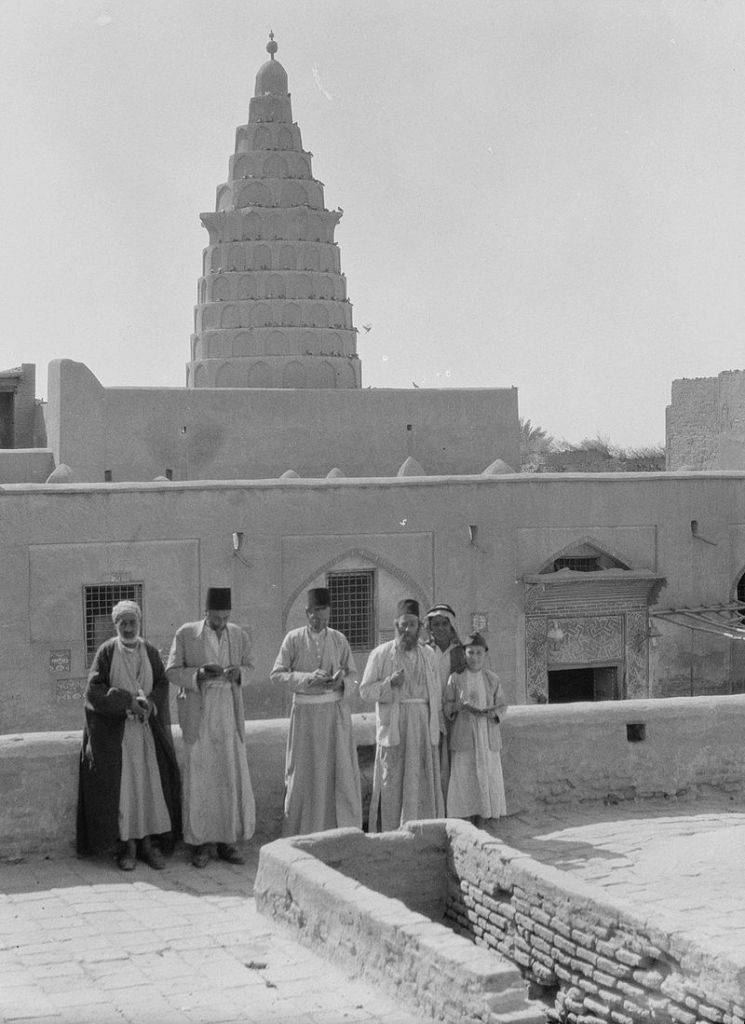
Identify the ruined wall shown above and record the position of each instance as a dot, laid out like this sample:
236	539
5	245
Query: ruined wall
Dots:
430	968
691	424
591	958
706	423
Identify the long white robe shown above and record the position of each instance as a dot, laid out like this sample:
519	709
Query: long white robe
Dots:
406	779
476	782
218	801
142	806
322	776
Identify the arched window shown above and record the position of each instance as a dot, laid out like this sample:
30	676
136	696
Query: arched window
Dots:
582	557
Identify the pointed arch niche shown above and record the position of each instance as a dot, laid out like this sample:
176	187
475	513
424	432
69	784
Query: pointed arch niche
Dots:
586	626
391	583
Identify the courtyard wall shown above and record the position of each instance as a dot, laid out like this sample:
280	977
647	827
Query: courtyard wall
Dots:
413	534
552	756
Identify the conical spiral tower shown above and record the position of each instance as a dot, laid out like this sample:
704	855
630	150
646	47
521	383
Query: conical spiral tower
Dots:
272	308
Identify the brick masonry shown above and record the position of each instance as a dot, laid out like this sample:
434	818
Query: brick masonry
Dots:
591	960
549	946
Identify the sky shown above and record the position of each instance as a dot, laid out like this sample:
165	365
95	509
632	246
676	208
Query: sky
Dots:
548	194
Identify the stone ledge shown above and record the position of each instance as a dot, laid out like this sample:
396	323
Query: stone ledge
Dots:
39	782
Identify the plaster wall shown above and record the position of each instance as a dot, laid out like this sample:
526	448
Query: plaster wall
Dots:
39	782
25	465
176	540
551	756
255	433
561	754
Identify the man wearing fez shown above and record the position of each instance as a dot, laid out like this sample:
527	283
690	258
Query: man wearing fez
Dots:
401	676
450	659
206	662
321	771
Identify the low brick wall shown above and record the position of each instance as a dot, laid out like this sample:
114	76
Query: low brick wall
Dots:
593	960
588	959
310	883
39	783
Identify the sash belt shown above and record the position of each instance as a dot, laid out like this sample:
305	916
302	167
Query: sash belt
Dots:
317	698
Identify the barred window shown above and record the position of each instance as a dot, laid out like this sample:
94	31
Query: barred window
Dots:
578	564
98	601
353	606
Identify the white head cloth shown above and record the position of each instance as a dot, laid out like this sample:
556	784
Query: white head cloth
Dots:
126	608
444	610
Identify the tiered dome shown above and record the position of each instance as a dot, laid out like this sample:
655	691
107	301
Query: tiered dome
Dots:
272	305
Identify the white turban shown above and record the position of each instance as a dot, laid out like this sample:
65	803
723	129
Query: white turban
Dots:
126	608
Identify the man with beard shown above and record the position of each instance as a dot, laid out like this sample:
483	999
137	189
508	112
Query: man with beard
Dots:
401	677
322	776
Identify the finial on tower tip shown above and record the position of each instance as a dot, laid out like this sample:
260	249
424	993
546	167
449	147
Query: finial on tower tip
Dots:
271	46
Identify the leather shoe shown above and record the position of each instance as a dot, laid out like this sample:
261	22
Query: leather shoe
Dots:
228	852
200	856
152	855
127	859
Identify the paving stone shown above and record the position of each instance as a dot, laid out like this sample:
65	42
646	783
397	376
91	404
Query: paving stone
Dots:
84	947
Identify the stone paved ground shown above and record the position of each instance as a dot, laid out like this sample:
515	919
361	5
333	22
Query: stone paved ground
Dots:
82	943
680	865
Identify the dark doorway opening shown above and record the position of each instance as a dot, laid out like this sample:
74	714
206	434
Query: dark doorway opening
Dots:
567	685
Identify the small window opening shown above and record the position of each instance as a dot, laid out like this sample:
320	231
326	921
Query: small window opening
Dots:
98	601
353	606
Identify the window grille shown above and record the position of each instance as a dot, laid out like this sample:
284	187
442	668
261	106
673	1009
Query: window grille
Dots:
353	606
98	601
577	564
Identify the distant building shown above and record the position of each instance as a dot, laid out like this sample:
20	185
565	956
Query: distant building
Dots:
706	422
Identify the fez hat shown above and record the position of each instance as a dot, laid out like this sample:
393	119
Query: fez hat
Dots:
476	640
441	609
319	597
218	599
408	606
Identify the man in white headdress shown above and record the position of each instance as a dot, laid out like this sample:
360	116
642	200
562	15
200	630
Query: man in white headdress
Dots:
129	779
449	656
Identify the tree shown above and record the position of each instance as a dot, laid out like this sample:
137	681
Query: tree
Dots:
534	444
